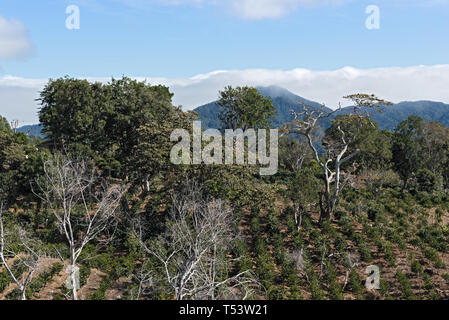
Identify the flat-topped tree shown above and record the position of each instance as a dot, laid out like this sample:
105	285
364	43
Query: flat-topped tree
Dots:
338	161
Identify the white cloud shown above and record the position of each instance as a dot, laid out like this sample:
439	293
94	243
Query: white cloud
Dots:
272	9
395	84
263	9
246	9
14	41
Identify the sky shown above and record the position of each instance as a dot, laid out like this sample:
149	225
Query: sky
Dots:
318	49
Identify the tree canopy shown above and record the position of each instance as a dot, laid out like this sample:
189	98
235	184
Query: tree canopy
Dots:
244	107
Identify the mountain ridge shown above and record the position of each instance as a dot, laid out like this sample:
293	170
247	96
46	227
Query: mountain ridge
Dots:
286	101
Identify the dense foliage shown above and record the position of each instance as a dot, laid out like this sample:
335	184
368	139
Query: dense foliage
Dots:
260	237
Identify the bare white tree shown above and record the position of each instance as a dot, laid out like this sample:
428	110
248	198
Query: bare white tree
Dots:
83	204
16	246
193	250
338	151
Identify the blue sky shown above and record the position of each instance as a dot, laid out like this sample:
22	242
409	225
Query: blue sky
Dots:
164	39
299	44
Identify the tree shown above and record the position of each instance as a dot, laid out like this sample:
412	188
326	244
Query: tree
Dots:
75	112
337	144
20	162
244	108
193	250
407	148
151	155
374	145
122	125
4	125
435	138
18	247
84	206
294	153
302	190
426	180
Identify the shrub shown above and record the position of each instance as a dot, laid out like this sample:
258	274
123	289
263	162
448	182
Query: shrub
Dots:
416	267
432	254
430	287
315	287
384	287
445	276
427	181
241	250
355	284
100	293
405	286
335	290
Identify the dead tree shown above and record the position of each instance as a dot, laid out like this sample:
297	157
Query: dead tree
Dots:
337	146
194	250
18	248
83	204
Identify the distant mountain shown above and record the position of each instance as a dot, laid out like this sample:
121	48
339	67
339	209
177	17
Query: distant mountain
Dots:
285	101
32	130
393	115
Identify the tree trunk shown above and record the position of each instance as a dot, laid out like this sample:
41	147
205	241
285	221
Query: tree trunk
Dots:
325	208
405	185
299	212
72	274
22	294
147	184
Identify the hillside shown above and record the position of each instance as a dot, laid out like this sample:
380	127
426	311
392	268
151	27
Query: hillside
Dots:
392	116
106	197
32	130
285	101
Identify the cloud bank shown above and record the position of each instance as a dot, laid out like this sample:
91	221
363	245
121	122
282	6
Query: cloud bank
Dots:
14	41
395	84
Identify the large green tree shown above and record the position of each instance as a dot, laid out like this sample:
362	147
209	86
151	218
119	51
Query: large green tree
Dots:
75	112
407	148
244	107
124	125
374	145
419	147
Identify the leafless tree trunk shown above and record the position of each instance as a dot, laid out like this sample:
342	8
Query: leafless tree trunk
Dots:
193	249
28	256
338	151
82	203
330	194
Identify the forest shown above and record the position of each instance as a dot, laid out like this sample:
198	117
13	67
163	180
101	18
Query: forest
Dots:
96	210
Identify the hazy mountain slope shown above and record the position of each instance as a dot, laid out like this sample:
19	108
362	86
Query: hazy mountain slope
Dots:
32	130
285	101
393	115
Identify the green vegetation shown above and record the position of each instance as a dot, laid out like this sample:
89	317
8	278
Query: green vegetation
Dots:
100	192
